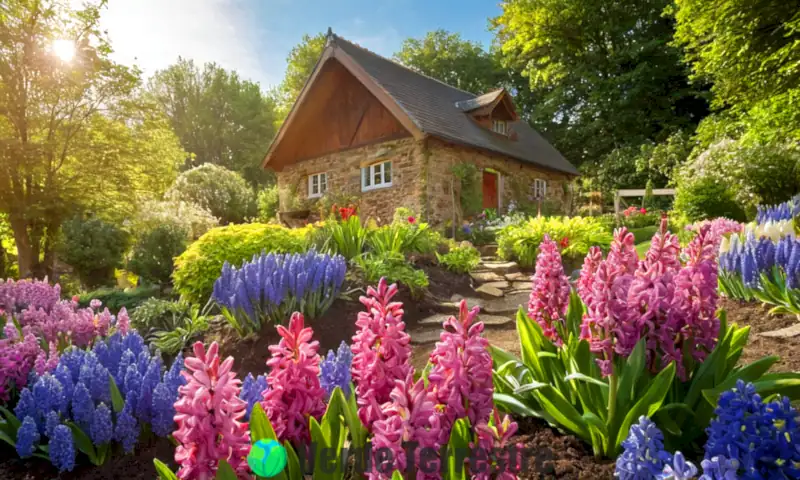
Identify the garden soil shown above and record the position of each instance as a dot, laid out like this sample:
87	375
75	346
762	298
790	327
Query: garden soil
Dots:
556	456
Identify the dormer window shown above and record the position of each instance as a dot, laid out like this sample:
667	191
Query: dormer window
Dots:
500	126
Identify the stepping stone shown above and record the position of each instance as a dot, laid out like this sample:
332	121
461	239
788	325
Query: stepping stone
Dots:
487	250
421	337
487	319
508	305
486	277
522	285
502	284
488	289
501	268
517	276
490	259
787	332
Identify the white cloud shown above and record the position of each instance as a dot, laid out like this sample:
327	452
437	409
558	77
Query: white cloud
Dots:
153	33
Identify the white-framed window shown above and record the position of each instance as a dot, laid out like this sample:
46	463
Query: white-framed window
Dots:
375	176
539	188
500	126
317	185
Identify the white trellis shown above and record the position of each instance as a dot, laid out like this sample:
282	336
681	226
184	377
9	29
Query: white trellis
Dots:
638	192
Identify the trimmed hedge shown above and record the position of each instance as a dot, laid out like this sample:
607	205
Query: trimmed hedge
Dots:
198	267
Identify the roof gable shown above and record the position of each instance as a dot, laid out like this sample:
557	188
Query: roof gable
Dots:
428	107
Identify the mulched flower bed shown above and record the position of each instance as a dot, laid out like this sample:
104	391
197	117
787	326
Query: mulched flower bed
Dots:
556	455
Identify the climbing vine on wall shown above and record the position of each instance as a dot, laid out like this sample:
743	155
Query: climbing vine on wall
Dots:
471	198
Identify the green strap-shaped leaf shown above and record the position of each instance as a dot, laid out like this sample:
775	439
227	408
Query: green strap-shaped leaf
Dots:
358	433
562	411
749	373
12	420
647	405
512	404
117	402
786	384
84	443
261	428
163	471
460	438
225	471
293	469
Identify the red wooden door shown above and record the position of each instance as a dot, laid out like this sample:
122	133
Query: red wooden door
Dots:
489	190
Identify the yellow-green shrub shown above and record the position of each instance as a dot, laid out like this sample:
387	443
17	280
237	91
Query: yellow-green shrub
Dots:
521	241
198	267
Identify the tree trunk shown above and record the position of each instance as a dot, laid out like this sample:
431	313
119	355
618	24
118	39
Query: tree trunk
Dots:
25	254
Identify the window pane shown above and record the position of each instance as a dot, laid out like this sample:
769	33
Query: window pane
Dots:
387	172
365	177
377	174
323	183
314	184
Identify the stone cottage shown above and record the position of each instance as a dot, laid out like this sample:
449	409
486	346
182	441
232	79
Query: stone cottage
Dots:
368	127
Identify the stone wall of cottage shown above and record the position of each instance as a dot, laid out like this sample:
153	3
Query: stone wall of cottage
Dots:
344	178
422	179
516	179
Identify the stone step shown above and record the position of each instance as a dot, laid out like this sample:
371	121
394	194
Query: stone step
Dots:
422	336
501	268
491	259
490	290
516	276
507	305
486	276
488	250
489	320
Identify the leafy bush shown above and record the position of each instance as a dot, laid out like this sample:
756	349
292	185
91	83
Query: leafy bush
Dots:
346	237
707	198
404	237
155	314
153	254
394	268
222	192
521	241
190	327
94	249
270	287
268	200
633	217
190	217
200	265
460	259
115	299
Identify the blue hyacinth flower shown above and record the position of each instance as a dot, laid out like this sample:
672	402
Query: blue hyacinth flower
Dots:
62	449
27	437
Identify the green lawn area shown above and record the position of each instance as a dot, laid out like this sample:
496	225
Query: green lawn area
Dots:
641	248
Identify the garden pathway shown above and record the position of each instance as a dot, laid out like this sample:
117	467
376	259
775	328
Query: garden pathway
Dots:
499	290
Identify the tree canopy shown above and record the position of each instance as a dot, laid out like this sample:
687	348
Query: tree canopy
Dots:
299	64
218	117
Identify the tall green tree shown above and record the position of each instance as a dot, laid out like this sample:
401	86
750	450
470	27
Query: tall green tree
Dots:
73	134
299	64
447	57
219	117
603	74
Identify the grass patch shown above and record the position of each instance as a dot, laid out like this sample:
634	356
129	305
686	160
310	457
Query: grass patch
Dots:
642	248
643	234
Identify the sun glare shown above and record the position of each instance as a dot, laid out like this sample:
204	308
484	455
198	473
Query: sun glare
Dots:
64	49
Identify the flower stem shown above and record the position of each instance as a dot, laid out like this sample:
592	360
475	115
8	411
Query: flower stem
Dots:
612	408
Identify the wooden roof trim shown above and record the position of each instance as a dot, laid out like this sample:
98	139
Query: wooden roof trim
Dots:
362	76
378	91
326	55
509	104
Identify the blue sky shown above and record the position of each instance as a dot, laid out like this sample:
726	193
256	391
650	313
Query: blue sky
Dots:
255	36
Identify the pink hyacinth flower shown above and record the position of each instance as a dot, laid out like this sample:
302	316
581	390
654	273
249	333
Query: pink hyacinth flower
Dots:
461	371
550	294
590	265
295	393
208	414
381	351
409	416
622	257
497	438
123	321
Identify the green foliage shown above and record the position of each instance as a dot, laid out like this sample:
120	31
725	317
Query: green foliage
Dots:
347	238
641	220
155	314
200	265
447	57
747	50
471	196
191	326
190	217
404	238
603	75
152	255
395	268
114	298
460	259
644	234
268	200
222	192
219	117
564	386
301	61
706	198
521	241
94	249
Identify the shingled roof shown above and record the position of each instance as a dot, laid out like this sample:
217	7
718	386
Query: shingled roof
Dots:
439	110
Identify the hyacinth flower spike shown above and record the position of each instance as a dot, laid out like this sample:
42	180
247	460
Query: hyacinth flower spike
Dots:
209	413
294	393
549	297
